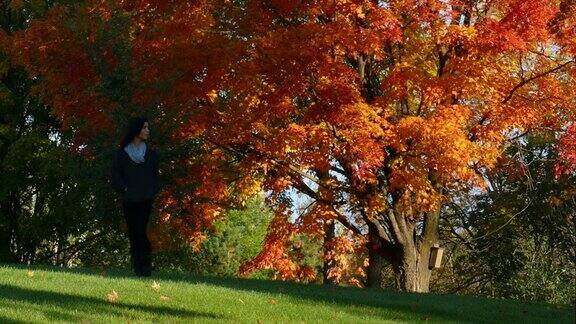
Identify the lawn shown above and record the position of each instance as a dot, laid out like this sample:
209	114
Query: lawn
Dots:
49	294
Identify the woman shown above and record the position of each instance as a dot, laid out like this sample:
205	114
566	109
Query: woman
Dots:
135	177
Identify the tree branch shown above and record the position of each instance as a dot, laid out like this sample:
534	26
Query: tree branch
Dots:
522	83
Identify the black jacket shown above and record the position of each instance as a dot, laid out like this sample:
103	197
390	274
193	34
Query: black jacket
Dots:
135	181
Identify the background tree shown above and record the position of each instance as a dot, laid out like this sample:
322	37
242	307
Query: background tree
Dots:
237	239
518	239
40	178
567	153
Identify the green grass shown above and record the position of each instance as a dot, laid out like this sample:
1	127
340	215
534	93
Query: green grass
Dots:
52	294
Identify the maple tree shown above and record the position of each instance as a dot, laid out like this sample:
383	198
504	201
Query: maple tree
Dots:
562	27
377	111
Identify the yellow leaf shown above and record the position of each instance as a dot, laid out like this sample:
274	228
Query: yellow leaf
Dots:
360	12
112	297
212	95
155	286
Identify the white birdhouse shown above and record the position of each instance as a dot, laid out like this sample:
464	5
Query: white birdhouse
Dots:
436	253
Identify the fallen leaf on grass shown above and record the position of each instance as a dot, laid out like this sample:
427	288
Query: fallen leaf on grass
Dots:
112	297
164	298
155	286
30	273
273	301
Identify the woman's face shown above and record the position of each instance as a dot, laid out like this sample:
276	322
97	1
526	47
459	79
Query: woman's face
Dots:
145	132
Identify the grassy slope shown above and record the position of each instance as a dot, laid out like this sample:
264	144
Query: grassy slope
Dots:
54	294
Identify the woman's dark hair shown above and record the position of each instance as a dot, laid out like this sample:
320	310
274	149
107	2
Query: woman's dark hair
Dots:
133	128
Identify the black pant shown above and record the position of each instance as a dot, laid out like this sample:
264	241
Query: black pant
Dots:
137	215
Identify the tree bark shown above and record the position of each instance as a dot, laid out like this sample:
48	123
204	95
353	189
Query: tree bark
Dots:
412	272
328	264
8	217
410	255
5	239
376	261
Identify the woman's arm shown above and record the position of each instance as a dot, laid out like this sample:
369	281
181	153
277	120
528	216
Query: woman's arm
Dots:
118	182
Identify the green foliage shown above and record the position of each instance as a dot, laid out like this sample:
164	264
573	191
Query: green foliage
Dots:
518	239
49	206
307	252
545	277
237	238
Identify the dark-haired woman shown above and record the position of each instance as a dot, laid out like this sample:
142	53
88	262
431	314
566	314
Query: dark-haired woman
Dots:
135	177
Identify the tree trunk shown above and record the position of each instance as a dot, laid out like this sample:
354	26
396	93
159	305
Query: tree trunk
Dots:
328	264
409	255
375	262
5	235
8	218
412	271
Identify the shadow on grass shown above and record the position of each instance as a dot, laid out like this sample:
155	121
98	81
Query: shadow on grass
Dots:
399	305
384	303
46	301
11	320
